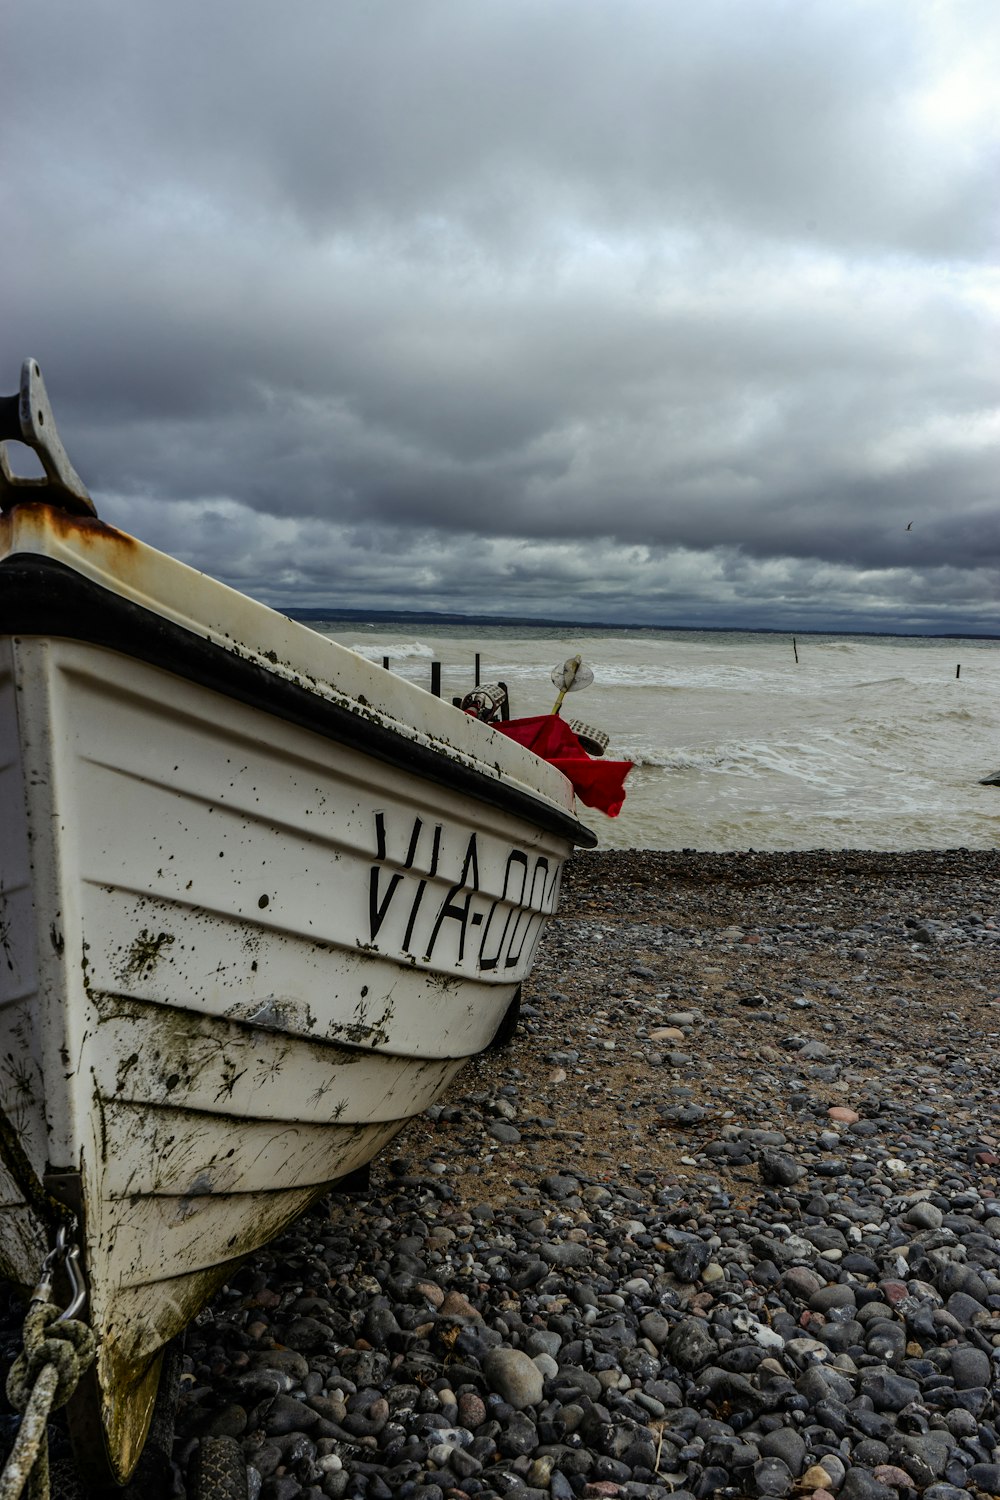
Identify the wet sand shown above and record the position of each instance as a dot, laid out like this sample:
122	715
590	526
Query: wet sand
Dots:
890	961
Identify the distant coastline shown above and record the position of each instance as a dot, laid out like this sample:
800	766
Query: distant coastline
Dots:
450	617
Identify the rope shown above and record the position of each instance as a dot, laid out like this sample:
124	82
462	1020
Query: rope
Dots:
42	1378
29	1459
49	1209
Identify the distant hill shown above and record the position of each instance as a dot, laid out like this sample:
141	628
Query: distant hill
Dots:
440	617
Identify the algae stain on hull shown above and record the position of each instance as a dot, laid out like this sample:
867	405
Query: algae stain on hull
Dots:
128	1385
143	955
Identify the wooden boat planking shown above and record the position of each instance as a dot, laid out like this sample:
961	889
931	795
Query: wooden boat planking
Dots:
259	901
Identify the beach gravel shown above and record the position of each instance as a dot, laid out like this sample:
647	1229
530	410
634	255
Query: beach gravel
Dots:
741	1236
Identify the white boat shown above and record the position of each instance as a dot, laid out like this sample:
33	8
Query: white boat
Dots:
259	901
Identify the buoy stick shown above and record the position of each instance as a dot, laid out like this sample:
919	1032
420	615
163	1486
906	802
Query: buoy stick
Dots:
572	667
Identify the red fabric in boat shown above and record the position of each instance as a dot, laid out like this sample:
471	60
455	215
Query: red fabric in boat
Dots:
597	783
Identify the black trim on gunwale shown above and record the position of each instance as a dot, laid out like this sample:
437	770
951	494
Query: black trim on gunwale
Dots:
39	596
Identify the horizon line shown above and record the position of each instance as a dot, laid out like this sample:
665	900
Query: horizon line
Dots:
457	617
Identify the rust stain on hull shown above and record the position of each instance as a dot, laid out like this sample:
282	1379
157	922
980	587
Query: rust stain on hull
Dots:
86	529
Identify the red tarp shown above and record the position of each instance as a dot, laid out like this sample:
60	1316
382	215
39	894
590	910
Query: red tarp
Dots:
597	783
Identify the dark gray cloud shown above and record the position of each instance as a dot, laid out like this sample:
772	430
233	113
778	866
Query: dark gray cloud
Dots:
663	312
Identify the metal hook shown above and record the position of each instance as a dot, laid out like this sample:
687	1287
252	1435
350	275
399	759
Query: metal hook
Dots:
77	1283
70	1256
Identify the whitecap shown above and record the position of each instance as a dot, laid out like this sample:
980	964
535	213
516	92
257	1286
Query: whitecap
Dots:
395	650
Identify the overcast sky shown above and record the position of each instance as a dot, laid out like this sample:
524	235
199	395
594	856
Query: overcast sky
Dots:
677	311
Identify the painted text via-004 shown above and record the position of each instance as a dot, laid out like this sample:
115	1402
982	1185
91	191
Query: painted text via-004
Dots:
493	932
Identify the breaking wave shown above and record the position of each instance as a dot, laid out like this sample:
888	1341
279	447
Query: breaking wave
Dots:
395	651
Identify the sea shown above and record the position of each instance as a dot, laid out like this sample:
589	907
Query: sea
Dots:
749	740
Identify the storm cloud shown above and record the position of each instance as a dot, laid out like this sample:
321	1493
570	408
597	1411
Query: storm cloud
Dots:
627	311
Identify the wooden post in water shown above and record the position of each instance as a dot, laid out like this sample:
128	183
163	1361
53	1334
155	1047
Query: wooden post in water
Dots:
796	650
385	663
958	671
476	684
436	678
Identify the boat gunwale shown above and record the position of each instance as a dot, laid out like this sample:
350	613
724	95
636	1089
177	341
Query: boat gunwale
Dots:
41	596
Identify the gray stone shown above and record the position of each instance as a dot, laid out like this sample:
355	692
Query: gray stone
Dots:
520	1436
987	1477
228	1421
923	1216
874	1312
836	1469
583	1380
887	1391
379	1326
801	1282
832	1296
283	1487
772	1476
655	1327
787	1444
961	1423
560	1185
965	1308
970	1367
825	1237
285	1414
565	1253
514	1376
688	1261
463	1464
779	1170
870	1453
861	1484
886	1341
266	1459
288	1361
930	1449
975	1399
690	1344
543	1341
254	1385
820	1381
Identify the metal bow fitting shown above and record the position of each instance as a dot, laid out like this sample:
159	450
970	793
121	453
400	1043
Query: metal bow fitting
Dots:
27	418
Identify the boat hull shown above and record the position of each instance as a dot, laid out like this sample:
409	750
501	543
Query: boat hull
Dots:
238	955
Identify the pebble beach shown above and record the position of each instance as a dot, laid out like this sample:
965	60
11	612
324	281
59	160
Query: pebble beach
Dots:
722	1218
